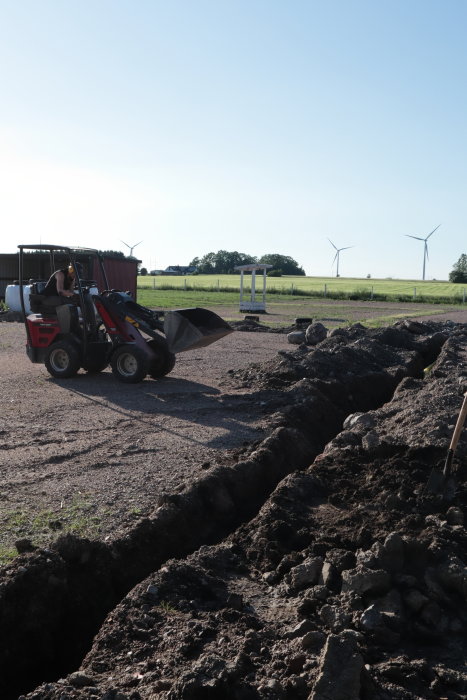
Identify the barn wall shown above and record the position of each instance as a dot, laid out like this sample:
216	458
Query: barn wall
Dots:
121	272
8	271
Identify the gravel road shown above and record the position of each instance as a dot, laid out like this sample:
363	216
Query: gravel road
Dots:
93	454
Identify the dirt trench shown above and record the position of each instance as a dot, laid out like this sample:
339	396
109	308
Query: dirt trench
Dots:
282	547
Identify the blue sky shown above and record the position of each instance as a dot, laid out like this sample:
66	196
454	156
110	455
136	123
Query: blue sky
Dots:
262	126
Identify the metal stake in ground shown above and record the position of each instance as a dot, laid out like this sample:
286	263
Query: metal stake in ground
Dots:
455	438
439	478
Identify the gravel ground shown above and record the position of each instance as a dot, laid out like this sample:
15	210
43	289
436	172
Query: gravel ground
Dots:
91	454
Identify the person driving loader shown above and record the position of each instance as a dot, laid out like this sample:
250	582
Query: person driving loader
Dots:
60	286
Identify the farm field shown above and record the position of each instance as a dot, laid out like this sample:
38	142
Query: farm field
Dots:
322	286
283	309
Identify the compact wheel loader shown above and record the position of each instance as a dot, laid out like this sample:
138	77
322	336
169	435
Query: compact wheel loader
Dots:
105	328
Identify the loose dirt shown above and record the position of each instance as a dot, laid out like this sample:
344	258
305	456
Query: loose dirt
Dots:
286	545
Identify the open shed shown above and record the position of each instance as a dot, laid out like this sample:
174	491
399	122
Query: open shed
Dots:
255	302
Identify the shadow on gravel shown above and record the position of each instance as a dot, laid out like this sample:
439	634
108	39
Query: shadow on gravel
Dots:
191	402
105	385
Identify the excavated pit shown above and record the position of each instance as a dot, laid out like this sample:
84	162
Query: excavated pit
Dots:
54	602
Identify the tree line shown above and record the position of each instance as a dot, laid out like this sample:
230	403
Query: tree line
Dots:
459	271
224	263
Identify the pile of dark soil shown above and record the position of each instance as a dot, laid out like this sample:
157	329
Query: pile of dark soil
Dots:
255	327
348	582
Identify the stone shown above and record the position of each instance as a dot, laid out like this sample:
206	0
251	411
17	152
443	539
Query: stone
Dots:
337	332
391	554
300	630
371	440
152	591
270	577
371	618
453	575
391	603
313	640
295	663
364	581
414	327
80	680
318	592
340	669
341	559
334	618
306	573
328	575
384	614
360	421
315	333
455	516
296	337
368	558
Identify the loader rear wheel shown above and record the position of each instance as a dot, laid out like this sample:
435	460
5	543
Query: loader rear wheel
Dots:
164	360
62	360
130	364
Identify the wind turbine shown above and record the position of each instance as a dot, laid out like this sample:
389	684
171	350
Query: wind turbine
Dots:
425	247
336	257
131	247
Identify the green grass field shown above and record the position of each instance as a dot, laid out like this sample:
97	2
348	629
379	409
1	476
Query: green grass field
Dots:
330	287
335	302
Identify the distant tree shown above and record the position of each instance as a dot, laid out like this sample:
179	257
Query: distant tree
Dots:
203	265
221	263
113	253
459	271
225	262
195	263
286	264
274	273
143	271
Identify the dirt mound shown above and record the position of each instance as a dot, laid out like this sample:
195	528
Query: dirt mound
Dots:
256	327
348	581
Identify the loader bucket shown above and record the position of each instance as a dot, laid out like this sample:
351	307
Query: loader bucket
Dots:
187	329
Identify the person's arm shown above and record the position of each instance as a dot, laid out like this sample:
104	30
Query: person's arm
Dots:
60	277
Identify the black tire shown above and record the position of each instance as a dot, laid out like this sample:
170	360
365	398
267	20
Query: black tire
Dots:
130	364
164	361
97	356
95	366
62	359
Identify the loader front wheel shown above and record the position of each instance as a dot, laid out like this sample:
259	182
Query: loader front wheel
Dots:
163	361
62	360
129	364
